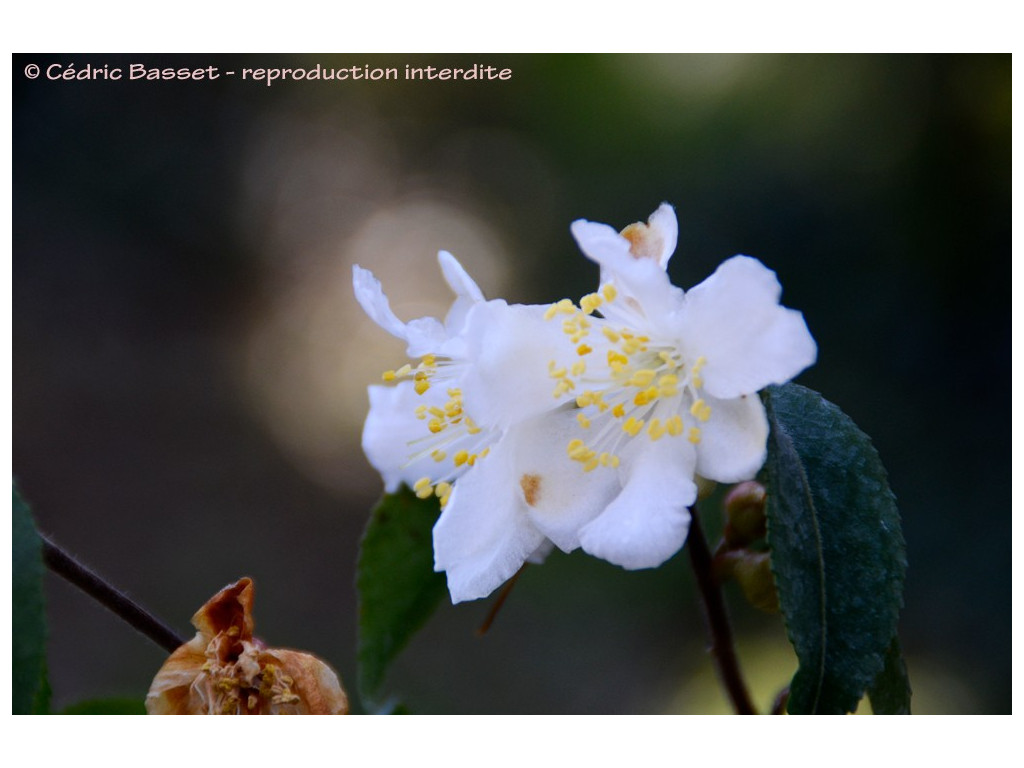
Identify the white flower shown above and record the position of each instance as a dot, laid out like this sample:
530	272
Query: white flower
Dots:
671	391
465	424
552	425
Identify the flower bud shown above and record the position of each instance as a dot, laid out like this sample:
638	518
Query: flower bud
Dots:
753	573
744	514
224	670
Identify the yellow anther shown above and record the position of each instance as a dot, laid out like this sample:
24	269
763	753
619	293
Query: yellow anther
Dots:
584	349
556	373
438	455
611	335
632	346
484	452
405	370
563	386
701	410
472	459
674	425
656	430
435	411
423	488
471	426
421	386
590	302
617	359
642	378
435	425
564	307
421	411
429	361
442	489
609	292
575	445
694	435
591	464
570	327
619	410
578	368
460	458
646	396
585	398
452	409
388	376
666	358
583	420
632	426
454	392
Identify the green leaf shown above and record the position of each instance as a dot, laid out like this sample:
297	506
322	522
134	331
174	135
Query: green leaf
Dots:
837	551
398	588
107	707
890	693
31	692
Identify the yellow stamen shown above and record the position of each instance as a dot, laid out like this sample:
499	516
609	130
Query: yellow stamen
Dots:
701	410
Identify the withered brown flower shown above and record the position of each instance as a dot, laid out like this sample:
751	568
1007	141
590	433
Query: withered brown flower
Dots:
224	670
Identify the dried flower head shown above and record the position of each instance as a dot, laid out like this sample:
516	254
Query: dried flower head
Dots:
224	670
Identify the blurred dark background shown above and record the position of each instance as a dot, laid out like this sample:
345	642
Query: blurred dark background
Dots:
189	366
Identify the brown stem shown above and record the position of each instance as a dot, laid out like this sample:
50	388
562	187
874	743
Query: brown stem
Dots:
63	564
718	621
493	613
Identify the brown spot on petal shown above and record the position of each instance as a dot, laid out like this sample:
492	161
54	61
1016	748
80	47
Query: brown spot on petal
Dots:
645	242
531	488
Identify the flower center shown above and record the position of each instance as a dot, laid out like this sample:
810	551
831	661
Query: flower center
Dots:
451	438
643	387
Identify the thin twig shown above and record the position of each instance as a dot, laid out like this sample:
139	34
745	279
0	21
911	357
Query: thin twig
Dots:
718	621
63	564
493	613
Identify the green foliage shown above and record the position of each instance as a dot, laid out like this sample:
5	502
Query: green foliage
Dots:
890	693
31	692
398	588
837	553
107	707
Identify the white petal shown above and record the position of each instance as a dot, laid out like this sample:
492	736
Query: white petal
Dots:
426	335
734	320
646	295
508	349
733	441
664	224
371	298
467	292
559	496
647	523
484	535
391	432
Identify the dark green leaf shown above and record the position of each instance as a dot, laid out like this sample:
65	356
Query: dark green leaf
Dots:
31	692
107	707
890	693
837	551
398	589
